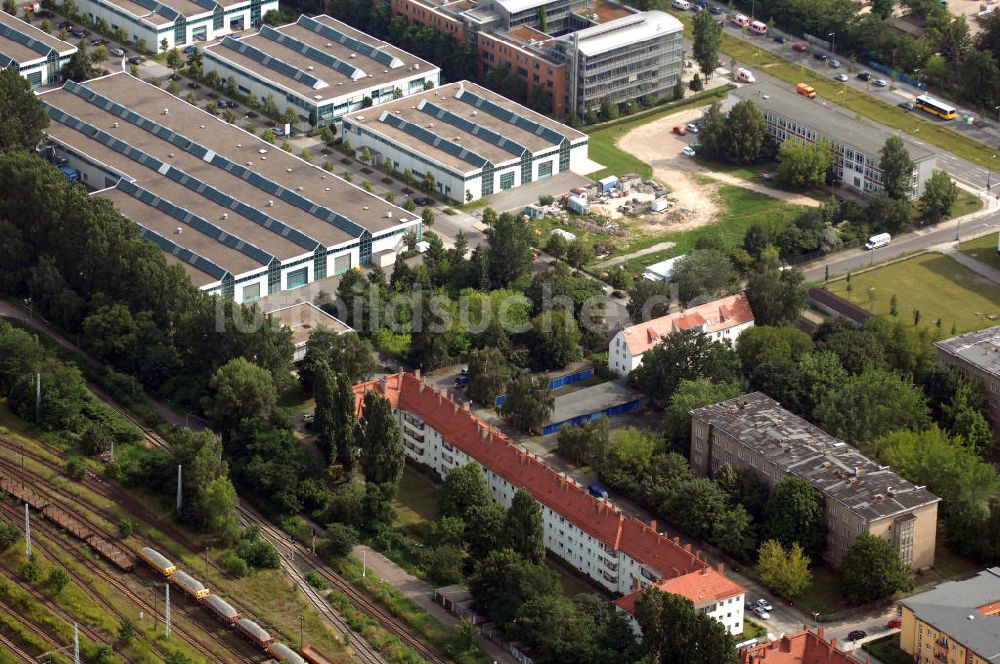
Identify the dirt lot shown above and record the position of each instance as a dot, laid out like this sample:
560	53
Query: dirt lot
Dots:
656	144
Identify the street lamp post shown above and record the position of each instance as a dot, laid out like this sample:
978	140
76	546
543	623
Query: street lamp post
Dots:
833	42
998	113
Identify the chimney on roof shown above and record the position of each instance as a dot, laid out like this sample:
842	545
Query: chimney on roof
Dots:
416	374
440	398
721	568
857	471
833	643
820	631
652	525
687	547
704	571
454	410
468	406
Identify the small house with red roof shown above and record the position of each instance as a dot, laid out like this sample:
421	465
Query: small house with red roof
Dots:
725	318
621	553
805	647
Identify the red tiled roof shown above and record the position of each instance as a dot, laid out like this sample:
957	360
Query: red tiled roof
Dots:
496	452
708	585
716	316
805	647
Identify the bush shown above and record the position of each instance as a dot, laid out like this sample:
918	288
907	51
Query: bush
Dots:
233	564
57	579
125	527
31	571
76	467
315	579
9	533
338	542
256	552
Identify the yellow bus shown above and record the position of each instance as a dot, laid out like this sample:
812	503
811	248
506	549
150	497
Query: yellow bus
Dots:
934	107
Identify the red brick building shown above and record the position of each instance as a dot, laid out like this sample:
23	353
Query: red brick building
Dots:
513	48
805	647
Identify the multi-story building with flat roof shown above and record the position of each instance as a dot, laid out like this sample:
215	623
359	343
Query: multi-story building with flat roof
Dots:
621	553
176	22
977	356
754	432
958	621
471	140
857	143
320	67
725	318
242	217
38	56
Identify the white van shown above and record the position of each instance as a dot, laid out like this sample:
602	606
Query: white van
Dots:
680	4
745	75
876	241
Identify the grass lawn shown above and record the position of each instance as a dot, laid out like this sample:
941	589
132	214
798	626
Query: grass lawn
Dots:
751	630
983	249
603	148
965	203
948	566
916	124
739	209
823	594
887	650
936	285
416	502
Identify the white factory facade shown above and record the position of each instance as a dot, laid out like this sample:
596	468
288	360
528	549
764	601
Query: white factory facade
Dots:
38	56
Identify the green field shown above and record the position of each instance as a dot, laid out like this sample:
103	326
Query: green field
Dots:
915	124
933	283
603	148
983	249
416	502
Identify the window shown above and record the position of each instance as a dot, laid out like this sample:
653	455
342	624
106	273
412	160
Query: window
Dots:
544	171
507	180
298	278
251	292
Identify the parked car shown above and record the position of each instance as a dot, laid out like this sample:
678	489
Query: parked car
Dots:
423	200
906	105
65	25
461	379
117	52
222	103
779	39
764	604
716	10
840	77
136	60
800	47
190	49
688	151
761	613
597	491
864	76
43	13
880	83
98	42
820	56
833	63
234	35
692	127
79	33
680	130
308	420
895	623
857	635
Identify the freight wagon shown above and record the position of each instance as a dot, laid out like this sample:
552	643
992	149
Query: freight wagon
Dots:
254	632
189	584
283	653
221	609
157	561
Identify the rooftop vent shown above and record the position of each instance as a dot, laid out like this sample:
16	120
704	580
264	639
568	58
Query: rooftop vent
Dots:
202	126
474	113
270	204
239	145
354	55
299	188
179	230
309	68
416	65
171	155
328	44
225	215
288	170
366	207
262	151
249	163
388	214
264	158
115	125
166	111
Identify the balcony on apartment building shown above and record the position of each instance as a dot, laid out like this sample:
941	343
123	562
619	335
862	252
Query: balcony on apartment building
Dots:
649	575
610	563
612	578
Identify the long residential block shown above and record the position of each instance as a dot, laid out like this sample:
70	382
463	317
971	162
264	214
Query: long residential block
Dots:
618	552
977	356
754	432
320	67
244	218
173	23
473	142
857	144
38	56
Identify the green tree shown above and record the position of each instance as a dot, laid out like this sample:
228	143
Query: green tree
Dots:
691	394
897	169
555	339
696	506
583	442
529	402
579	253
746	128
240	390
704	273
802	165
764	343
57	579
382	452
609	109
872	570
9	534
219	506
444	563
683	355
776	296
794	514
707	42
488	375
940	193
869	405
351	354
674	631
784	570
337	542
126	632
648	300
523	530
504	581
100	55
714	133
556	245
734	533
174	59
346	429
24	117
509	250
463	491
124	527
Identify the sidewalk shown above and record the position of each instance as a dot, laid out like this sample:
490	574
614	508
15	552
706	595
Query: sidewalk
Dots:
422	594
980	268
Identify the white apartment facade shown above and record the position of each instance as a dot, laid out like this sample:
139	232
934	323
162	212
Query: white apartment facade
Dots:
38	56
722	319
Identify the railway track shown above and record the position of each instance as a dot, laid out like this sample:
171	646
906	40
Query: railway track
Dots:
12	648
31	627
208	649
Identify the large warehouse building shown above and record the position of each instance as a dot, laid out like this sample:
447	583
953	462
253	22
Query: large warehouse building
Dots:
856	143
320	67
473	141
178	22
245	219
38	56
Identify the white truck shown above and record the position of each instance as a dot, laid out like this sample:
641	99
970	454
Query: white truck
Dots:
876	241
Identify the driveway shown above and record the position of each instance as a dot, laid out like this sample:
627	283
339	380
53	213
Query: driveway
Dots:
515	200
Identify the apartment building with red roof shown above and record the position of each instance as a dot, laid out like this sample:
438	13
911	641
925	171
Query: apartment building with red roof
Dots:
805	647
621	553
725	318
